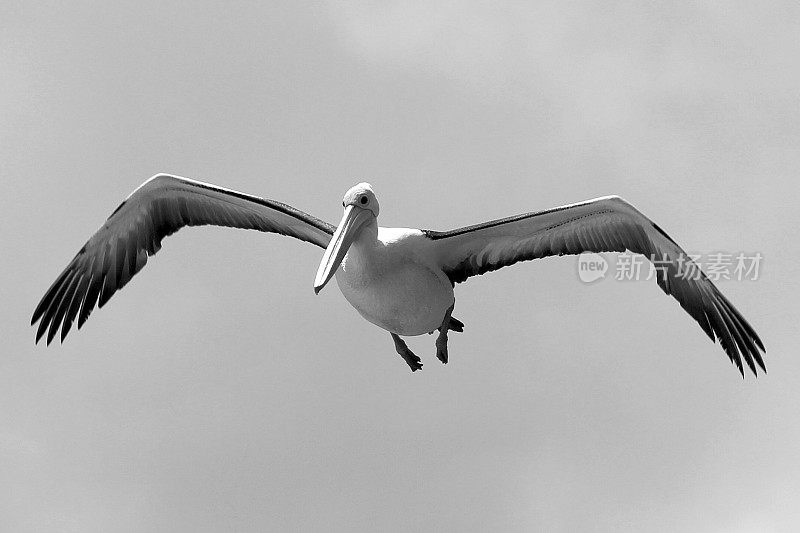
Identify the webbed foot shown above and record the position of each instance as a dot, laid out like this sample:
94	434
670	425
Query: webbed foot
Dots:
408	356
441	340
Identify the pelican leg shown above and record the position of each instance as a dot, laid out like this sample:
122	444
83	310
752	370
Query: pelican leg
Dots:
441	340
410	357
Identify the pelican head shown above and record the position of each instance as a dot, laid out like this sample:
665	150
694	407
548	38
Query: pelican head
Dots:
362	196
360	207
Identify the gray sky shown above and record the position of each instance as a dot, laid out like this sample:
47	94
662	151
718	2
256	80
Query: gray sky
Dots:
216	392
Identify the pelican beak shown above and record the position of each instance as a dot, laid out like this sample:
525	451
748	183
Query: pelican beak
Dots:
354	217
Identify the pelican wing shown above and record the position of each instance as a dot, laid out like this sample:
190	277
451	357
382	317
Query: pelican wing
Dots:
608	224
159	207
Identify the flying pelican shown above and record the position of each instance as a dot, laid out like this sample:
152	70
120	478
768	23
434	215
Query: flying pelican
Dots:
397	278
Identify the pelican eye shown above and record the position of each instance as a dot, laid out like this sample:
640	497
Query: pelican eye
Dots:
363	200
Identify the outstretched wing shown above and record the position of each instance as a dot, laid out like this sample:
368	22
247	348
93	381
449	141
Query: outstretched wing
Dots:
608	224
159	207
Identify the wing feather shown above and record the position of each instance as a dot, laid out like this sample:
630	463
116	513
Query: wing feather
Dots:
608	224
158	208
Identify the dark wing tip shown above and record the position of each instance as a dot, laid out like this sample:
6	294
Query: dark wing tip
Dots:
736	336
64	299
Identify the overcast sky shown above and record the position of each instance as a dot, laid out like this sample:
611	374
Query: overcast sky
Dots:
217	392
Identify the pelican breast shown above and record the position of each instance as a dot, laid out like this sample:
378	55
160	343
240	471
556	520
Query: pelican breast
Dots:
391	284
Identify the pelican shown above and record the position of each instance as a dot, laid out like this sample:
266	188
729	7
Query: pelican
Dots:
399	279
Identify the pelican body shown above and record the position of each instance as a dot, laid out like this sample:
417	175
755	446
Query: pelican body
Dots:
399	279
391	285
